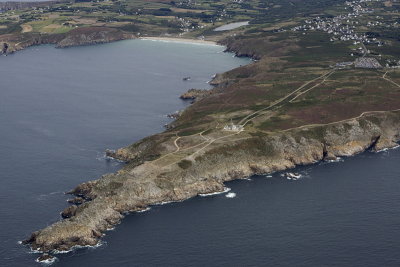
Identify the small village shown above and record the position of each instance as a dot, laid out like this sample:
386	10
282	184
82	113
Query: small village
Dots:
344	27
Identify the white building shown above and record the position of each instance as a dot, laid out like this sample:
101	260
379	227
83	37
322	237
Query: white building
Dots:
233	127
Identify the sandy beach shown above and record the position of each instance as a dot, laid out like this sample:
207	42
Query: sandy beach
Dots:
179	40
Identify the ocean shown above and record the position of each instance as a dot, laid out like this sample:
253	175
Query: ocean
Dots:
61	108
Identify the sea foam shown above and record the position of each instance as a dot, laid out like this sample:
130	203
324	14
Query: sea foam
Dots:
47	262
144	210
231	195
226	189
99	244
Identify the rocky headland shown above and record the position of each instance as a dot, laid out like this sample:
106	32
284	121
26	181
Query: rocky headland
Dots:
292	107
148	179
11	43
195	94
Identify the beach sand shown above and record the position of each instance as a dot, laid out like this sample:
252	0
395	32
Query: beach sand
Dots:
179	40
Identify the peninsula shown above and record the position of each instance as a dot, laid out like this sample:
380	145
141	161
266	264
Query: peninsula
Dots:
325	84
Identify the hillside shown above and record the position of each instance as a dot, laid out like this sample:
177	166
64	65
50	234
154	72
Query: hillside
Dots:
325	83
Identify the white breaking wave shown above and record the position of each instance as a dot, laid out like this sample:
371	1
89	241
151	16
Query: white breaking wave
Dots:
34	251
387	149
164	203
230	195
103	157
144	210
48	261
226	189
293	176
338	159
100	243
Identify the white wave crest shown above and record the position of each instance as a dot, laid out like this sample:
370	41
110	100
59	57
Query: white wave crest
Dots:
144	210
387	149
55	251
231	195
47	261
226	190
293	176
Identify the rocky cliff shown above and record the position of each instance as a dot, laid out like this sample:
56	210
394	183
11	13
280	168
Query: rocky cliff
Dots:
10	43
148	182
93	35
193	94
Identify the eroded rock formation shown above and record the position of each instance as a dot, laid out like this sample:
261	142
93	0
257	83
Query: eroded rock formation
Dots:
137	186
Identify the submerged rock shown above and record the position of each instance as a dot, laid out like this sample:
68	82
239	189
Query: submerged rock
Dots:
46	258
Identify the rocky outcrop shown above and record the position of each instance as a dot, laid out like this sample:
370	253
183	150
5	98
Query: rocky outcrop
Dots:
11	43
137	186
120	154
241	48
46	258
92	35
76	200
15	42
69	212
193	94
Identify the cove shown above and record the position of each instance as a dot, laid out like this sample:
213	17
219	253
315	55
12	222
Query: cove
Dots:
61	108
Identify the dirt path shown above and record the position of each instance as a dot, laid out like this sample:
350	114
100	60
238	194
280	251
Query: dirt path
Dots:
306	91
178	148
209	141
258	113
345	120
389	80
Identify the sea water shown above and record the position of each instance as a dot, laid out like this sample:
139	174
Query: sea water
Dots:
61	108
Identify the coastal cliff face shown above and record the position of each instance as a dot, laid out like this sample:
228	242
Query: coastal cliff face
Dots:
147	182
93	35
11	43
195	94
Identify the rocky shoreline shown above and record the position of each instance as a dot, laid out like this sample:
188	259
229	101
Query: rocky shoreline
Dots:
145	180
195	94
77	37
141	183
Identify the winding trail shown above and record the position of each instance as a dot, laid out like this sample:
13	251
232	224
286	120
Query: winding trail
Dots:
306	91
389	80
178	148
208	141
345	120
258	113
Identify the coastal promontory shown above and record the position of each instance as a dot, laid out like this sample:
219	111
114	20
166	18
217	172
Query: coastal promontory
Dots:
325	83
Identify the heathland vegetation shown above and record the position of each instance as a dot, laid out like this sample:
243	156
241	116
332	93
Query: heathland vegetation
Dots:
302	100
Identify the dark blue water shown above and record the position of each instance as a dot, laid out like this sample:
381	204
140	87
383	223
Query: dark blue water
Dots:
338	214
61	108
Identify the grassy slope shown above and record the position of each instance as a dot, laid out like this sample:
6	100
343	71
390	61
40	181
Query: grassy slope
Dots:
288	59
